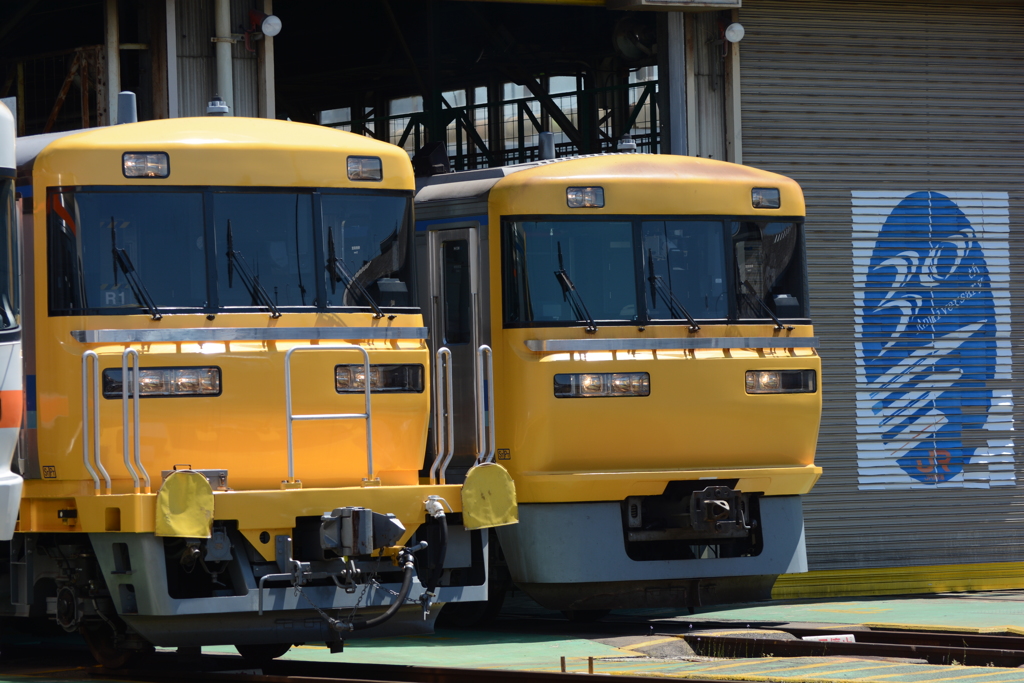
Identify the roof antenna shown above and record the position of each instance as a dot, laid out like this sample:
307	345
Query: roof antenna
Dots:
217	107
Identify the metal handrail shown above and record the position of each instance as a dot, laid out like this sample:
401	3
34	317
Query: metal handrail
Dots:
135	396
339	416
444	435
485	409
94	418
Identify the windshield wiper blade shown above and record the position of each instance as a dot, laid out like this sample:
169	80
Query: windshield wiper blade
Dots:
658	287
751	295
570	294
339	273
124	262
259	295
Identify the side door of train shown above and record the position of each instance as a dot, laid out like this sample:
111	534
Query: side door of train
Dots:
456	311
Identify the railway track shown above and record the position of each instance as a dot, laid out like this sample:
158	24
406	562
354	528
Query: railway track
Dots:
718	640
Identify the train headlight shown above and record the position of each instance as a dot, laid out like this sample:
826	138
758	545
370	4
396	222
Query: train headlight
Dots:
365	168
781	381
351	379
145	164
154	382
584	197
602	384
765	198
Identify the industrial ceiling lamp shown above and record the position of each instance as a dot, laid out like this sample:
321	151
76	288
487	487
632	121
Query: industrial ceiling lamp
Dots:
268	25
734	32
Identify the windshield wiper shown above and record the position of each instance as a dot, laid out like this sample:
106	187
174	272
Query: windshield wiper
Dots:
339	273
570	294
675	308
259	295
751	295
124	262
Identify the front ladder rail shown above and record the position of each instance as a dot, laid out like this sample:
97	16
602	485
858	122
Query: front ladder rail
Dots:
370	479
132	453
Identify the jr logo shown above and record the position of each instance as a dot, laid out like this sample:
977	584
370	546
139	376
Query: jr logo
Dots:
931	292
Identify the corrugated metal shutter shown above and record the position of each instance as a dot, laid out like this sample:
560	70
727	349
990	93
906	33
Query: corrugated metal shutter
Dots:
197	62
903	124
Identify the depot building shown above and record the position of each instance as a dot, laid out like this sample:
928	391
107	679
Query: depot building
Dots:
901	121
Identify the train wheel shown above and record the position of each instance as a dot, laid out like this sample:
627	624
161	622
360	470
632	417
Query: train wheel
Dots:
262	653
585	616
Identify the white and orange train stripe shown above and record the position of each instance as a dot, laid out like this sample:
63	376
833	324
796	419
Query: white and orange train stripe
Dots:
11	386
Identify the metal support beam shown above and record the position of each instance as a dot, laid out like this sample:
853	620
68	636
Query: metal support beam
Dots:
113	50
171	15
265	56
222	27
672	76
554	111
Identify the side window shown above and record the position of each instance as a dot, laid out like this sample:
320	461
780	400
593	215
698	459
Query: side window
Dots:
455	292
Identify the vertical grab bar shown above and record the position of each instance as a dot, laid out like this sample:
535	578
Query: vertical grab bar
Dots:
444	436
485	414
134	393
94	418
338	416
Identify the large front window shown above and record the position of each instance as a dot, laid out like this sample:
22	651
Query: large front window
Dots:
188	250
649	270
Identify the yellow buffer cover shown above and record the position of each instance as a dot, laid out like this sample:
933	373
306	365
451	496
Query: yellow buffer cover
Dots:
489	497
184	506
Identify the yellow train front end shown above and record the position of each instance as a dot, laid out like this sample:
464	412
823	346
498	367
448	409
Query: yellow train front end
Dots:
228	389
656	380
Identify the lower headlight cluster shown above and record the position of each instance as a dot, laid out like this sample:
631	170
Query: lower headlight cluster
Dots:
155	382
351	379
602	384
781	381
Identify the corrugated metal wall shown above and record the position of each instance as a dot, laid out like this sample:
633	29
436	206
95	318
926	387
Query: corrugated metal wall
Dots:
197	67
903	122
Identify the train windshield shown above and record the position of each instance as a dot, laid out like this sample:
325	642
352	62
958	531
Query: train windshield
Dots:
193	249
652	270
10	295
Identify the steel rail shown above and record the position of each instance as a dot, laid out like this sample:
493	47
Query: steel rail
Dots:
292	671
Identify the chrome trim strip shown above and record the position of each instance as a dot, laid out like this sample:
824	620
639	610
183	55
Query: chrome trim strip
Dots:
228	334
583	345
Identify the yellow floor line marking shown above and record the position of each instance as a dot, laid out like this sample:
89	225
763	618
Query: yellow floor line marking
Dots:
1003	672
634	646
804	666
746	662
938	627
740	632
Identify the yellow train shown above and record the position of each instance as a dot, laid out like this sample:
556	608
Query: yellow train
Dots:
649	355
228	393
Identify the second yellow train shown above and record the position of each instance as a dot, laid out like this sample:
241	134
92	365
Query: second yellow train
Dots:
639	326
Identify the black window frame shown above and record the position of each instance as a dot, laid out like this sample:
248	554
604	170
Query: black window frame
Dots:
643	318
213	306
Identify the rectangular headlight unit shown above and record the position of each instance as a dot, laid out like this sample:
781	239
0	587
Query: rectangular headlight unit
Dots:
765	198
602	384
781	381
351	379
584	197
365	168
145	164
154	382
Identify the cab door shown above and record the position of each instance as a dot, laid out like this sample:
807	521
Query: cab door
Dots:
456	324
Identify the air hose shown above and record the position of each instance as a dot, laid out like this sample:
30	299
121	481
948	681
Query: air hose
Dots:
407	568
435	576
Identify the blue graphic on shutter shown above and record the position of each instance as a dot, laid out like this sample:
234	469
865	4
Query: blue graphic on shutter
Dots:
928	335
